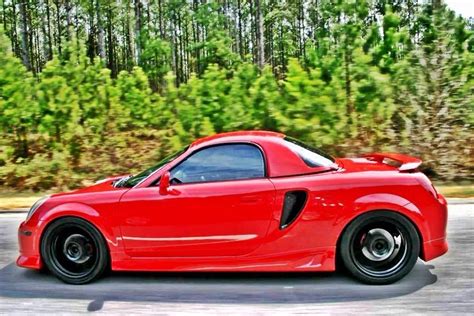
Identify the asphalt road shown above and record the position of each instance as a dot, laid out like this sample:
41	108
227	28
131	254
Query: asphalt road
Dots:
443	285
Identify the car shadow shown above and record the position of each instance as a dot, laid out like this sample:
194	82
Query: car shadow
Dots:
206	287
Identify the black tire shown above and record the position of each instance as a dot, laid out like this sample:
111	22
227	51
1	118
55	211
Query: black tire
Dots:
380	247
74	250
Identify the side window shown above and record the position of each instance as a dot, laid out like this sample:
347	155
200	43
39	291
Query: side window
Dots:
220	162
311	156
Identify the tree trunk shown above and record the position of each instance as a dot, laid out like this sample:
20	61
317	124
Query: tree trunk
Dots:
110	41
347	79
239	35
100	29
46	32
31	35
4	17
196	38
160	18
22	150
25	47
260	35
176	51
138	28
58	26
301	33
91	41
128	39
14	35
67	7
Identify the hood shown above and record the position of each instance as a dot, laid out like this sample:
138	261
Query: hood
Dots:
99	186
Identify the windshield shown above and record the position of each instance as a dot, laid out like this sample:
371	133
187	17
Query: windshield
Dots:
311	156
134	180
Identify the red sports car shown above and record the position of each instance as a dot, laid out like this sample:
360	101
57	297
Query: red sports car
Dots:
243	201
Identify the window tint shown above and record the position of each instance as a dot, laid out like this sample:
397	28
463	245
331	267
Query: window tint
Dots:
132	181
222	162
311	156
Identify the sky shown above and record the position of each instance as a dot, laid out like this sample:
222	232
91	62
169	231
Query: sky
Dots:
462	7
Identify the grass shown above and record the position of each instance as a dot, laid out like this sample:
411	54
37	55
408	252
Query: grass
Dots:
456	191
12	200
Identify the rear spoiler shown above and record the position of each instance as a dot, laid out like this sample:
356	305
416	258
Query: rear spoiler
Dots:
407	163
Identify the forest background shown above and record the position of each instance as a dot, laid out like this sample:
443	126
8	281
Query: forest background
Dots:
92	88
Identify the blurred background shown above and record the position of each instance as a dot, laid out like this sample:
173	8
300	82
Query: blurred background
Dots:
95	88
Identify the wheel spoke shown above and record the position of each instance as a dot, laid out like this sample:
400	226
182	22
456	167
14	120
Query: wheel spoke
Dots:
73	252
381	249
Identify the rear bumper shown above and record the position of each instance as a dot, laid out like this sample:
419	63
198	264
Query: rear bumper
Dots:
438	245
434	248
28	242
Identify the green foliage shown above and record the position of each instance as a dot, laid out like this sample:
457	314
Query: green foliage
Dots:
404	82
41	172
18	109
136	98
311	108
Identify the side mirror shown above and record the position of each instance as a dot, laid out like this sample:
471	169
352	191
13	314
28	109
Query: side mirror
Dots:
165	183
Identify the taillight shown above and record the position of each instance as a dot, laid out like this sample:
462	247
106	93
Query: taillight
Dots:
442	200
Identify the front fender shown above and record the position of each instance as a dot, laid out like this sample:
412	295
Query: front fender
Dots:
87	213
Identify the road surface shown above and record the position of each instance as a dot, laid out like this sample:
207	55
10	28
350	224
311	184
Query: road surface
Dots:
437	287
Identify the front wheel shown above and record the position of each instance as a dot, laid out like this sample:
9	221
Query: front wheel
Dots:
74	250
380	247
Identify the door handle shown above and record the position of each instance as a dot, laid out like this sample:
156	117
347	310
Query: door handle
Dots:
250	199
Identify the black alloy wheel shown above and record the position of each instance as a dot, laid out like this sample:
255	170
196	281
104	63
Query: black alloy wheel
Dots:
380	247
74	250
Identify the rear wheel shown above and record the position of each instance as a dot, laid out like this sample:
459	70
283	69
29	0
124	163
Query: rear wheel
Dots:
74	250
380	247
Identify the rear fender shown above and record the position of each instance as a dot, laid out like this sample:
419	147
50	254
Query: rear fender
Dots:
389	202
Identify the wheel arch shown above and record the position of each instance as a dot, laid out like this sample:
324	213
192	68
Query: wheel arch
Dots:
83	212
55	219
346	225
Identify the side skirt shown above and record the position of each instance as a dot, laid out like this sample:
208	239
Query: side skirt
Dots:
322	259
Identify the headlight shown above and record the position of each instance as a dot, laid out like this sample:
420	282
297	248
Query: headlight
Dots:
35	206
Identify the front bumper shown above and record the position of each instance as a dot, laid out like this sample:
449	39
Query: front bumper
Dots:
28	241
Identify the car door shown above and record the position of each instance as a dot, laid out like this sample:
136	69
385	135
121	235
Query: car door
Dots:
220	204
